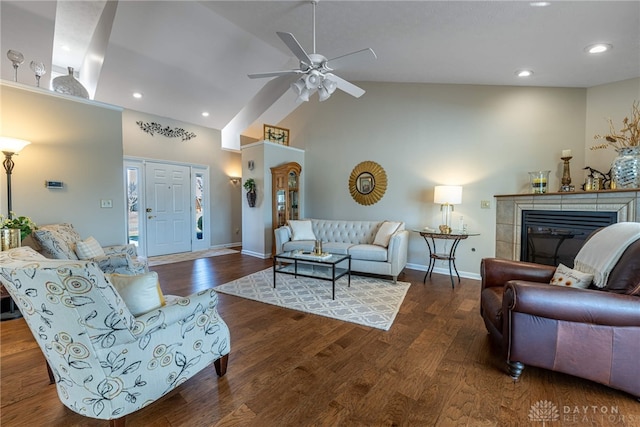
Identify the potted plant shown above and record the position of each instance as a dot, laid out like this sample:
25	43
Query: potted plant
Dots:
250	186
14	230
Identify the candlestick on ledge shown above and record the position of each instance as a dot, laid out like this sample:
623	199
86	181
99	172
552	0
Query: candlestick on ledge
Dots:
566	173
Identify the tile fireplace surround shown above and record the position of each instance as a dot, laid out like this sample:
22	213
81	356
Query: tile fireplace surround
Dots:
626	203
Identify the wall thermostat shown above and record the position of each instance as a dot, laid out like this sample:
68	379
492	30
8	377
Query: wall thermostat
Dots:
53	184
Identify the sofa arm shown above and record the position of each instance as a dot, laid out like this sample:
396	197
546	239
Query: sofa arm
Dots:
112	261
121	264
397	251
496	272
183	309
571	304
119	249
282	235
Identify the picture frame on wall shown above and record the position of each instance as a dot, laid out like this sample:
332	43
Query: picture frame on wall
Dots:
276	134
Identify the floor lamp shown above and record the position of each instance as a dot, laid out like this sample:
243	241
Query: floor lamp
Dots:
10	147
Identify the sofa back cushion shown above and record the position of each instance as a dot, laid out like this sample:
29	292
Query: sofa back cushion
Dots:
356	232
625	276
58	241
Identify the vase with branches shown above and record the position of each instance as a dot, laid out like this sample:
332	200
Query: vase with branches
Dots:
625	169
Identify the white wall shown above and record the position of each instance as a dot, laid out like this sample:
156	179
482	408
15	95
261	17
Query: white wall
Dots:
204	149
485	138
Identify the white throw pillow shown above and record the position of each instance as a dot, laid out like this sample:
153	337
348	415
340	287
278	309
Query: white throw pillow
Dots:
385	232
140	293
301	230
88	248
565	276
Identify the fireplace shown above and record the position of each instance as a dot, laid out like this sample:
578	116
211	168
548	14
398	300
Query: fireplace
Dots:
509	208
555	237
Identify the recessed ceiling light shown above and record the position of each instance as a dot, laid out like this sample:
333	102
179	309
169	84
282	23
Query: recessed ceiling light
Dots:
205	114
598	48
524	73
539	3
137	95
66	48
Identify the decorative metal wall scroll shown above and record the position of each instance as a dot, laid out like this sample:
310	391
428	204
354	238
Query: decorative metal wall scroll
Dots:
153	127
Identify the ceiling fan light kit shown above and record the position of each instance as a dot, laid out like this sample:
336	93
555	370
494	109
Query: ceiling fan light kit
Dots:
316	70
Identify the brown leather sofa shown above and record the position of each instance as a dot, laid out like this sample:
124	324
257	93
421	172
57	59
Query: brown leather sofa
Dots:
590	333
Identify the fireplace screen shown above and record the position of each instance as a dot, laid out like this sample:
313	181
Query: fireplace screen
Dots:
555	237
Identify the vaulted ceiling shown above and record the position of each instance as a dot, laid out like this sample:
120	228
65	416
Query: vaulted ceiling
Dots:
187	57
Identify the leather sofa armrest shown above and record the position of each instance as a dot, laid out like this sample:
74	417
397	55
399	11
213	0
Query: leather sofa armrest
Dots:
571	304
496	272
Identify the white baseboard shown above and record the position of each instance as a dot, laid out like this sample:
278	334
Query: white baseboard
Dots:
226	245
255	254
444	270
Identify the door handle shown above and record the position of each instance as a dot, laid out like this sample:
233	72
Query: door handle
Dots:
151	216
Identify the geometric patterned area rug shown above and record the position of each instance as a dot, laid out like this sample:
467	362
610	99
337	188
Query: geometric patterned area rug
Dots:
369	301
188	256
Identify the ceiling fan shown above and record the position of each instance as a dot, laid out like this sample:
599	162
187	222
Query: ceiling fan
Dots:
316	70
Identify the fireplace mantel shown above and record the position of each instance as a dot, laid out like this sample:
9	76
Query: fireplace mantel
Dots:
626	203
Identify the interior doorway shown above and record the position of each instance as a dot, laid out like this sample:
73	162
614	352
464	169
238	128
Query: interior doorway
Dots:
167	206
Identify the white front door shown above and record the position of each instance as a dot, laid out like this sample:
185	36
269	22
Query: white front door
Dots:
168	212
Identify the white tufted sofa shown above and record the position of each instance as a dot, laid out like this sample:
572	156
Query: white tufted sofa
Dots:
356	239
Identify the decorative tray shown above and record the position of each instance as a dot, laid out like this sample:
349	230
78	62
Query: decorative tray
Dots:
312	256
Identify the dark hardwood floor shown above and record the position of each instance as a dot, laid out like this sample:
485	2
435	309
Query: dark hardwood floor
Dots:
434	367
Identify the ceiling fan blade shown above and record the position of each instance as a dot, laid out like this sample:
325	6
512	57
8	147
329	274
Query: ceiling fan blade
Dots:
295	47
345	86
350	58
273	74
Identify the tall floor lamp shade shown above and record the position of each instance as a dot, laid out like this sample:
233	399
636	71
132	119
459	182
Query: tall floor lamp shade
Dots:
447	196
10	146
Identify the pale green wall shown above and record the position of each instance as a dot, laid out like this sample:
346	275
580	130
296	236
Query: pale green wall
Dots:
485	138
73	141
612	100
205	150
257	237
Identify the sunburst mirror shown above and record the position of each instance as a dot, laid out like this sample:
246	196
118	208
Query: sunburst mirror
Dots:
367	183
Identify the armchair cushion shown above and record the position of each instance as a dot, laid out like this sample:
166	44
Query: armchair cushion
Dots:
88	248
141	293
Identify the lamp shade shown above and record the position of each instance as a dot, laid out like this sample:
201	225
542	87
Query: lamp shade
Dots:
12	145
447	194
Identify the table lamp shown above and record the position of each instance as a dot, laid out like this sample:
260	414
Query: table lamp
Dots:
447	196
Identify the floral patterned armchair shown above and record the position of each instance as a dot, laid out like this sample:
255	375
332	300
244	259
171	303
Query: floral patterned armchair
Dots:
106	362
59	241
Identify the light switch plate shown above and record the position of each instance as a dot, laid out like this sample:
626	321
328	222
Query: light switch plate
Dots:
485	204
106	203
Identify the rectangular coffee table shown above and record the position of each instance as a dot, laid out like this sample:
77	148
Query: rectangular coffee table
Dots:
306	265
